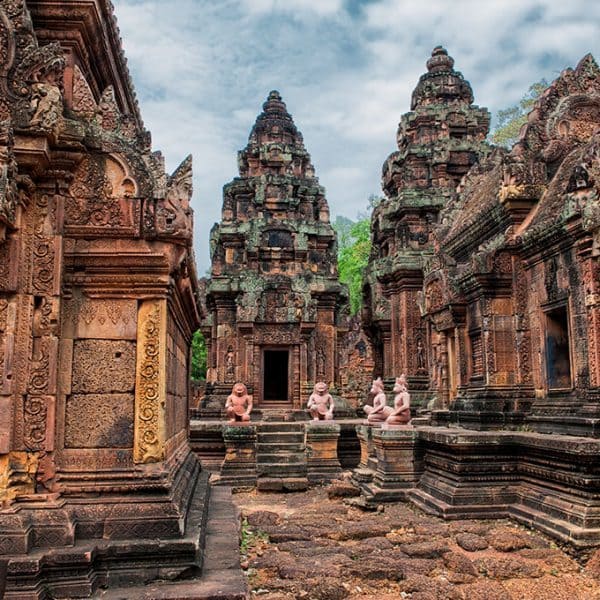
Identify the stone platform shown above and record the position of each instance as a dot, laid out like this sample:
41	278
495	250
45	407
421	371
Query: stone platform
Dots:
545	481
50	566
276	455
398	464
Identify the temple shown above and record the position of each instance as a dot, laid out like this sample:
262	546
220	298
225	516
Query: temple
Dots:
510	294
98	485
481	303
438	142
276	310
483	286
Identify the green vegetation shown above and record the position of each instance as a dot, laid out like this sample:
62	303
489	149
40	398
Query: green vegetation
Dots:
251	538
354	247
511	119
198	370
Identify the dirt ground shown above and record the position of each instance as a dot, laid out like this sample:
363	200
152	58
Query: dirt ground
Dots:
308	546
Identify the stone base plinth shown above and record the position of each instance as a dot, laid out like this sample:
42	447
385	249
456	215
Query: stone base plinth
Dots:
322	462
238	468
368	459
399	463
549	482
71	547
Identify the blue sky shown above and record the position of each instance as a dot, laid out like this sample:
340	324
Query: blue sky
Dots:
345	68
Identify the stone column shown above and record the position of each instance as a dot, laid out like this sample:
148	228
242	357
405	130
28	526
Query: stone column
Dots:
321	448
239	465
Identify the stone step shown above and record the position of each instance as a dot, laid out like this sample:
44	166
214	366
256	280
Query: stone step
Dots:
284	438
279	470
291	443
297	446
281	427
281	458
282	484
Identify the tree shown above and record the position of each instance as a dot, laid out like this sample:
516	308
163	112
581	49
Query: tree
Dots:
511	119
198	370
353	255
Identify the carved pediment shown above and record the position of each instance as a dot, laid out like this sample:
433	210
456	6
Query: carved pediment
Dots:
101	197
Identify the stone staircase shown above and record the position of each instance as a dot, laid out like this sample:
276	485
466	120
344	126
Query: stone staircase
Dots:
281	463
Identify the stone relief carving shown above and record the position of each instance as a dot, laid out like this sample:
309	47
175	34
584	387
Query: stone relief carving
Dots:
149	433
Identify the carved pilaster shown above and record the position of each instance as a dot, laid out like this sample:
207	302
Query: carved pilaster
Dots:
150	382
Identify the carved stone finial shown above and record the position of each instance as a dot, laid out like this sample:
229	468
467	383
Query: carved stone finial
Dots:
440	61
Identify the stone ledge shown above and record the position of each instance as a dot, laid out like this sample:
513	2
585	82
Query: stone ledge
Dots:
221	578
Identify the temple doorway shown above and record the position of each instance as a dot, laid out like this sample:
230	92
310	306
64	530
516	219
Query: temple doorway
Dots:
275	376
558	360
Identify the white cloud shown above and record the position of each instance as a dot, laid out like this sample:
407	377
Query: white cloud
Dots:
319	7
202	70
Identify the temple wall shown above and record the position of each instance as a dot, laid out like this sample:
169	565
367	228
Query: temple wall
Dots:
98	304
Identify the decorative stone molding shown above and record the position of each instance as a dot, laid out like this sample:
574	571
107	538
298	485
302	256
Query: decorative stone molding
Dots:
150	382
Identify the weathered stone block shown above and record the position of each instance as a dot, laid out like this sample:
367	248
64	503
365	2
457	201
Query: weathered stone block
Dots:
321	449
99	421
368	459
107	319
239	464
399	463
103	366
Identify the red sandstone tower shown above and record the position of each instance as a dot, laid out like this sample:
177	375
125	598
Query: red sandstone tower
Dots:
277	310
438	142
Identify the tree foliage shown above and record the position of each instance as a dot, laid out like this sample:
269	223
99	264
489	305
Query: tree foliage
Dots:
354	247
511	119
198	368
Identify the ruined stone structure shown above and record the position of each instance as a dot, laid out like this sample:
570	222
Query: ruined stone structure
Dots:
97	308
438	142
503	301
511	291
276	309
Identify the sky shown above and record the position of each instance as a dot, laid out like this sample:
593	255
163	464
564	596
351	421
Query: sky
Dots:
345	68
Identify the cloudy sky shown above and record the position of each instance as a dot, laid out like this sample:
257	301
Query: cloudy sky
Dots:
345	68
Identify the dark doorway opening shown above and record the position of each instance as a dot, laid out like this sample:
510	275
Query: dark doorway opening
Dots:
558	361
275	375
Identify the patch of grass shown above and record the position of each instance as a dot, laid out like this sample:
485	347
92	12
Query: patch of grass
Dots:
250	538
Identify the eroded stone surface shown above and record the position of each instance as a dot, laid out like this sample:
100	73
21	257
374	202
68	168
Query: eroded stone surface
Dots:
101	366
99	421
370	566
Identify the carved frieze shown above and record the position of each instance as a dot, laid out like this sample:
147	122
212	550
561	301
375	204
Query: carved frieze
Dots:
150	383
273	334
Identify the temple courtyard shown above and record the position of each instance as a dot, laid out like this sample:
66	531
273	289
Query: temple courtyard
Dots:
315	545
432	432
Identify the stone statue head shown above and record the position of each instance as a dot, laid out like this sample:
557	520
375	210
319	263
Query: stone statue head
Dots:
401	383
239	389
321	388
377	386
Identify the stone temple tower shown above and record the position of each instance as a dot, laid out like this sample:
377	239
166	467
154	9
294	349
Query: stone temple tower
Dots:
276	308
439	140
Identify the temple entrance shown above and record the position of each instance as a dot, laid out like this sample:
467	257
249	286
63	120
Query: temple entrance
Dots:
275	376
558	360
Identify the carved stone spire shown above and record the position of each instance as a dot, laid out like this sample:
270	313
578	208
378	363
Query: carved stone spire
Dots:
275	123
275	145
274	270
441	84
